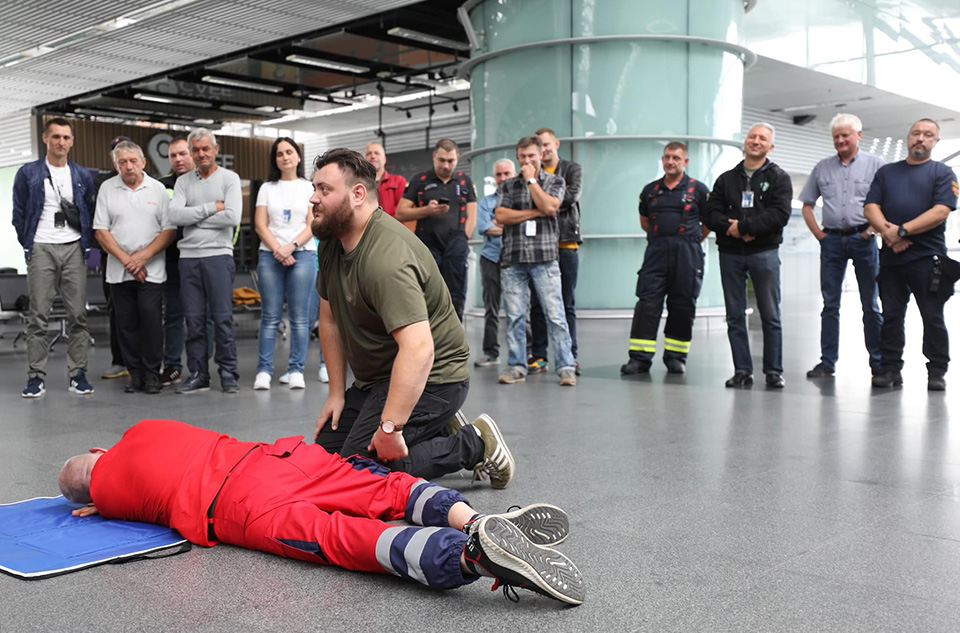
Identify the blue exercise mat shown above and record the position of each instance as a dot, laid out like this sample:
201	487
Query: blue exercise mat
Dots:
39	538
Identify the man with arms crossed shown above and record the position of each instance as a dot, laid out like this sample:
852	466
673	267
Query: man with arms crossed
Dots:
207	204
843	181
385	310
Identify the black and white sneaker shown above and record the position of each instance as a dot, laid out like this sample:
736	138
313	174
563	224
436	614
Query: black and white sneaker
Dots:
499	549
542	523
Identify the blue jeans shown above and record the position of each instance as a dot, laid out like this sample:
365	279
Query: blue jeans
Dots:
314	315
515	280
296	283
835	250
569	262
763	269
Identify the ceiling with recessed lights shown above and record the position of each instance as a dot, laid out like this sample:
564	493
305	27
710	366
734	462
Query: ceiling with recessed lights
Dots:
214	61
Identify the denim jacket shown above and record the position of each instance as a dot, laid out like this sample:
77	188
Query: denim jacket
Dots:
28	198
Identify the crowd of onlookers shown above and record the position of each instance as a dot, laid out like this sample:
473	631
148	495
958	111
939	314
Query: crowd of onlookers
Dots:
170	254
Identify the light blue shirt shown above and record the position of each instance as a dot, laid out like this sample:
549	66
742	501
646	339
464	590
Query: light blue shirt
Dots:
842	187
486	219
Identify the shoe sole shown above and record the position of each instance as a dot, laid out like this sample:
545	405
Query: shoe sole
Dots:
231	389
511	380
80	393
568	382
501	445
542	523
112	376
33	395
549	571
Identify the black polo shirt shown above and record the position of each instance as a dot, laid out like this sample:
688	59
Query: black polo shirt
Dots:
427	186
674	211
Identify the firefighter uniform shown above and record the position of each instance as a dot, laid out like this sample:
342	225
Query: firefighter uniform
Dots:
672	269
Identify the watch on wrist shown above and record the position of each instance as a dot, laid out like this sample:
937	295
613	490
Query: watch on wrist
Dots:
902	231
532	181
295	245
390	428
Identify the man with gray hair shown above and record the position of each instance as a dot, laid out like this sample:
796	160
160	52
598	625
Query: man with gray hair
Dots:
748	208
207	203
842	181
491	231
132	227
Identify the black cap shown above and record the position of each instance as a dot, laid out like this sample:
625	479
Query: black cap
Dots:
118	140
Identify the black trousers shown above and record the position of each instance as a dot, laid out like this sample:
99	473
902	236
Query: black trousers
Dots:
492	291
139	310
433	451
451	257
896	284
116	356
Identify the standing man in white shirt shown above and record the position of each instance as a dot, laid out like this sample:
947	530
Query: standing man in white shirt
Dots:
131	224
53	214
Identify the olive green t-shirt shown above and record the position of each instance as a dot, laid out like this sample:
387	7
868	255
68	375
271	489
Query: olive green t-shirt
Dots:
388	281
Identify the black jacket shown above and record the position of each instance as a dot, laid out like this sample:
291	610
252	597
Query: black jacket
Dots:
772	198
568	219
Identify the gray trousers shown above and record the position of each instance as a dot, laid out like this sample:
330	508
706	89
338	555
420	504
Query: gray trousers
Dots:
52	269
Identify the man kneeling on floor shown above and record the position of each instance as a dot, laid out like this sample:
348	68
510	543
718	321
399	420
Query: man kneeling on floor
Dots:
298	501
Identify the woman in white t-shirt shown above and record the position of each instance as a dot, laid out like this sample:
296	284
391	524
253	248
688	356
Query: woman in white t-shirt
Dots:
288	260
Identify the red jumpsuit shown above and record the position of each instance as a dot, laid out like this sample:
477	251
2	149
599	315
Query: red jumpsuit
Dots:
287	498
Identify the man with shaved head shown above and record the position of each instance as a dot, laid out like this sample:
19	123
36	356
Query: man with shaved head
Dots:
390	187
298	501
491	231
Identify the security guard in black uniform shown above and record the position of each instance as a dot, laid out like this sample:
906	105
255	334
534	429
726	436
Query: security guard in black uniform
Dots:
670	211
443	201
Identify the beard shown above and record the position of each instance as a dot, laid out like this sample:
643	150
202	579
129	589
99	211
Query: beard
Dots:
334	222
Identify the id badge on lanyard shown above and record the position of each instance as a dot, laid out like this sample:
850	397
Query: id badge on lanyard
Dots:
746	200
530	228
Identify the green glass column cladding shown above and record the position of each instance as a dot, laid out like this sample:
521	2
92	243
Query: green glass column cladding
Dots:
616	80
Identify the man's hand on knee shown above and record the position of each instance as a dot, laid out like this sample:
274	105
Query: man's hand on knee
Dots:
331	411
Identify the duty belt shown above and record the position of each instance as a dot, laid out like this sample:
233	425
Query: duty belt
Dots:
860	228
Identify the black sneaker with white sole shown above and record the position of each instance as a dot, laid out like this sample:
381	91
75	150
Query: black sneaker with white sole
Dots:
499	549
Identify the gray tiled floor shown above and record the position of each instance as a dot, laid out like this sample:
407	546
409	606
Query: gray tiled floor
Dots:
825	507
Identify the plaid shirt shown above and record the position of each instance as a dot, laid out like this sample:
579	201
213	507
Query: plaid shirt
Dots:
518	247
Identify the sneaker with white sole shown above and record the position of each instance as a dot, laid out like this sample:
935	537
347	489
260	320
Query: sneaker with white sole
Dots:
498	463
296	380
512	375
498	548
323	374
79	385
34	389
568	377
284	379
542	523
262	381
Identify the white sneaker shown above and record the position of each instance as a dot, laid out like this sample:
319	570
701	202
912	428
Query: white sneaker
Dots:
284	379
262	381
296	381
323	375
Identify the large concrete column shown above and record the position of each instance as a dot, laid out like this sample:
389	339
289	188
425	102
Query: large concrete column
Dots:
616	80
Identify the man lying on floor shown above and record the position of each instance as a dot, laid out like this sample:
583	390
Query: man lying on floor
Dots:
298	501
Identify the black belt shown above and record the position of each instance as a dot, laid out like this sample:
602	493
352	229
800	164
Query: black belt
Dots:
857	229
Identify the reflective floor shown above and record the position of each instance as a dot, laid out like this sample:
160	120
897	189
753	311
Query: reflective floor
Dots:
823	507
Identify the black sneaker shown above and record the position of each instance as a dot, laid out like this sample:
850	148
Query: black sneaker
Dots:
34	389
775	381
229	384
633	367
79	384
542	523
501	550
169	376
820	371
740	379
195	383
136	384
936	382
887	379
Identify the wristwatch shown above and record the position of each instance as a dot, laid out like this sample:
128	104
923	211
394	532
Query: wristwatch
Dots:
390	428
902	231
532	181
295	245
